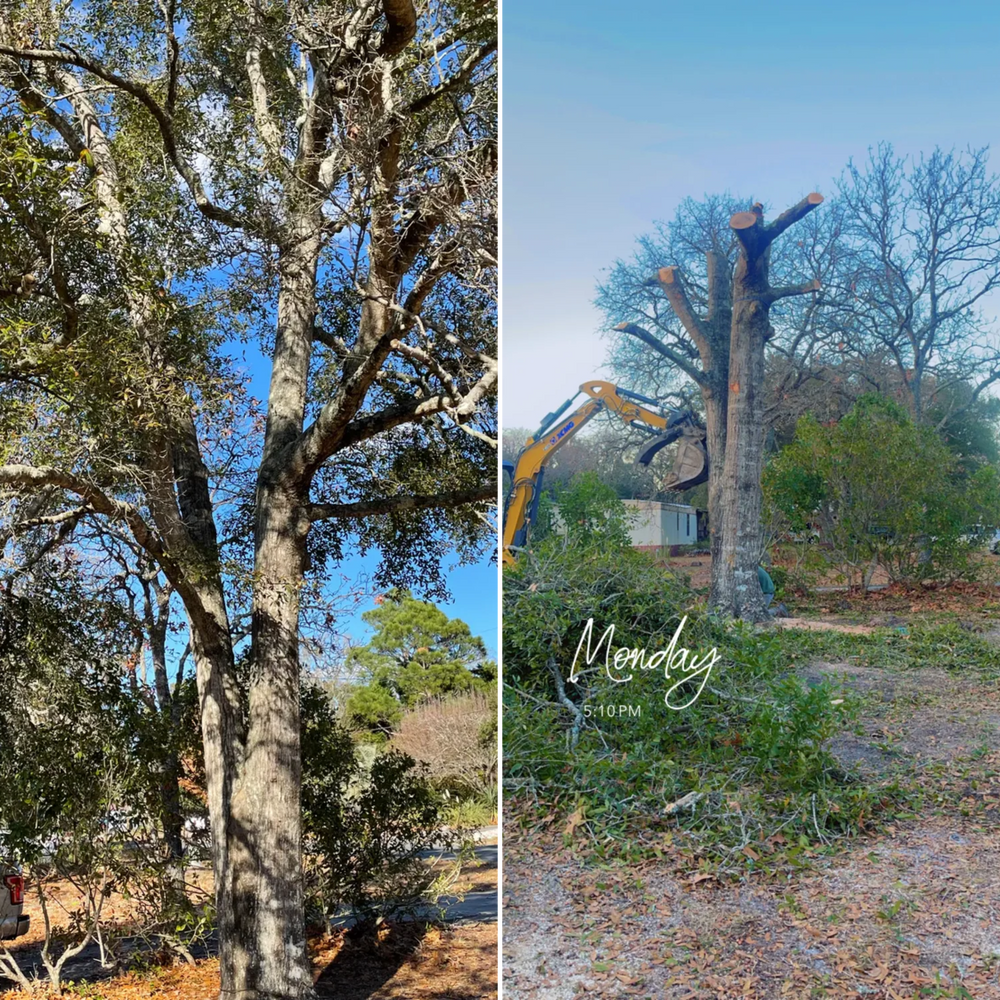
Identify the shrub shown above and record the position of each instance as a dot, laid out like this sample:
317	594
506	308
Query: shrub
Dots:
80	783
750	750
456	738
884	491
365	825
585	509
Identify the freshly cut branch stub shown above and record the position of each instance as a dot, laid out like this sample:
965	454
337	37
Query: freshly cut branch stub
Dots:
744	220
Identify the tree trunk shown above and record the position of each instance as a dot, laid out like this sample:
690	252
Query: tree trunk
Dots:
264	956
715	443
170	794
715	395
736	590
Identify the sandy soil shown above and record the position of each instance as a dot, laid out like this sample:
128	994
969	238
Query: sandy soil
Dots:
912	912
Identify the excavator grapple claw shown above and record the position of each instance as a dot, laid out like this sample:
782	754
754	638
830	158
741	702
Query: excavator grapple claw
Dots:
655	445
681	426
691	462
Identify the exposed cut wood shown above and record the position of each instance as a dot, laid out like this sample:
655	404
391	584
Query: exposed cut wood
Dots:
744	220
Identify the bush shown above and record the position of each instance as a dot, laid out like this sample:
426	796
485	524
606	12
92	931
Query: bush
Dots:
365	823
585	509
80	790
750	749
456	738
883	491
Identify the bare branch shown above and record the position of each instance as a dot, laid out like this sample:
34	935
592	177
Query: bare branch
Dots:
457	79
634	330
668	278
786	291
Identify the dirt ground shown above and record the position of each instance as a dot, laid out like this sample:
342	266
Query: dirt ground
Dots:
911	912
409	961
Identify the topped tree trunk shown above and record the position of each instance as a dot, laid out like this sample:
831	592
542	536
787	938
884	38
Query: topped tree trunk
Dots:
710	335
736	588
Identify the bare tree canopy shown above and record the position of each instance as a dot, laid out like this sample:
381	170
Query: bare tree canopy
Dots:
919	259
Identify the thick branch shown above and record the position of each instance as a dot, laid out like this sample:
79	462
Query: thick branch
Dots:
173	53
791	216
36	102
786	291
22	476
324	436
668	278
267	126
456	80
428	361
720	289
443	197
393	416
69	57
392	505
401	19
634	330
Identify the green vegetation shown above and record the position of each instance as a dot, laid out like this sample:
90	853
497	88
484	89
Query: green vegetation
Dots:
748	759
417	653
883	491
366	817
587	506
82	767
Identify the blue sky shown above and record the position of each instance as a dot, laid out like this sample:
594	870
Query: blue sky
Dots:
613	115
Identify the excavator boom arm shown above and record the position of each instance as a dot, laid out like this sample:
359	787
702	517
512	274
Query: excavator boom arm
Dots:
526	478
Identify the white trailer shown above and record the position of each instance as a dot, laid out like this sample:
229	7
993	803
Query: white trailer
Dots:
659	525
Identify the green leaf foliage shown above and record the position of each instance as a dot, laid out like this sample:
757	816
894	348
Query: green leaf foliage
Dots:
417	652
367	815
880	489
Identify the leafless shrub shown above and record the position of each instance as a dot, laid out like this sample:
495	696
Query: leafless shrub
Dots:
455	737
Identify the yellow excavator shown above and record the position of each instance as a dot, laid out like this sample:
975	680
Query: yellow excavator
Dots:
663	427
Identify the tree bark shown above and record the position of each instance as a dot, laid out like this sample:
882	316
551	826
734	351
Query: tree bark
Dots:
715	396
711	335
736	588
265	919
716	406
170	797
266	958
